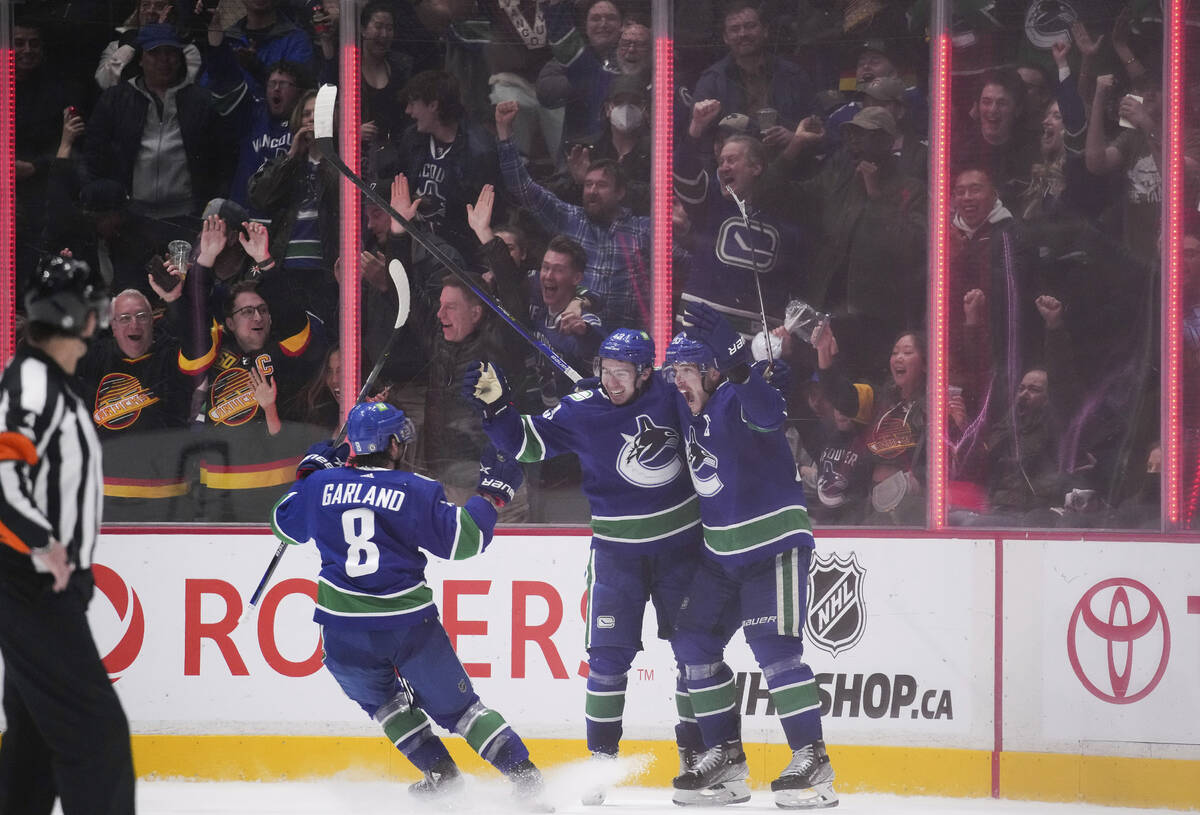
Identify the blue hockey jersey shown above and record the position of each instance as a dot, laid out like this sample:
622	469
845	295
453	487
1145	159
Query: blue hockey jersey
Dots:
751	498
370	526
633	472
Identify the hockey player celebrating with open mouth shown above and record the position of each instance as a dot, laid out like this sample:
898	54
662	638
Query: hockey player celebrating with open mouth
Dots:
383	641
645	520
758	543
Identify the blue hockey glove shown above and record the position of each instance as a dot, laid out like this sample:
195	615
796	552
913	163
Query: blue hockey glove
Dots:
709	327
588	383
484	385
322	456
499	476
779	377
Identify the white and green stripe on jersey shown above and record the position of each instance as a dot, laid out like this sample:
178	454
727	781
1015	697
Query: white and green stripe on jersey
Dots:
345	603
648	527
754	533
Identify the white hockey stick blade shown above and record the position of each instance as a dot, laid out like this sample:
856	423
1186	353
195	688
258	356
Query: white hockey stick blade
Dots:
323	112
403	294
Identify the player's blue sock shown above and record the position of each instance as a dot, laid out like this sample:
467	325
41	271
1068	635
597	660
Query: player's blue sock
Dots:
793	690
714	699
604	710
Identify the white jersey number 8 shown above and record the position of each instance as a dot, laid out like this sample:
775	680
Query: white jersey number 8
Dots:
358	527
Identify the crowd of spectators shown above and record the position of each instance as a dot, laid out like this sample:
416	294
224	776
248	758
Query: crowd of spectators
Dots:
517	135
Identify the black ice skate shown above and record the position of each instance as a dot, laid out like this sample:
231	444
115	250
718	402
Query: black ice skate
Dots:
717	777
807	781
528	787
441	779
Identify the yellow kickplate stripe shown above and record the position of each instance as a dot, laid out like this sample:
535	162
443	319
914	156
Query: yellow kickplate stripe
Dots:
1165	783
1142	782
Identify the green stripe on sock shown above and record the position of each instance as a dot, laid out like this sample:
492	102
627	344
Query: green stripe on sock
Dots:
683	706
713	700
605	706
794	698
483	729
400	726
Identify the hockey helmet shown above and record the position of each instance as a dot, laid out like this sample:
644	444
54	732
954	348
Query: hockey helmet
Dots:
630	345
62	293
371	424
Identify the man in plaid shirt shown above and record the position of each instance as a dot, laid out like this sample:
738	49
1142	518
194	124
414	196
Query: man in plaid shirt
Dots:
616	241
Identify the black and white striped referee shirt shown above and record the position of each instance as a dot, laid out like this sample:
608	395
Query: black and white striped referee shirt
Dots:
51	476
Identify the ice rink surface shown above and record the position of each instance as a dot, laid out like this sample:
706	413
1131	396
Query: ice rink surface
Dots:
482	795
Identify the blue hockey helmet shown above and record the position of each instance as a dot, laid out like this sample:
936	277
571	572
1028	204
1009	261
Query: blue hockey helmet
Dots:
62	293
630	345
685	350
371	424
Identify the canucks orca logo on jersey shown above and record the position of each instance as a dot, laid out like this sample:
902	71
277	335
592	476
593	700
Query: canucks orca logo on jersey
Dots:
650	457
703	466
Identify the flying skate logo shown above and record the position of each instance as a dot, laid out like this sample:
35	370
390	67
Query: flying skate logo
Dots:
837	613
120	399
130	616
1118	640
649	457
703	466
755	248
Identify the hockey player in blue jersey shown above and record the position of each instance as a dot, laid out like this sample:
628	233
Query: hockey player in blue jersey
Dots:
645	518
383	641
754	576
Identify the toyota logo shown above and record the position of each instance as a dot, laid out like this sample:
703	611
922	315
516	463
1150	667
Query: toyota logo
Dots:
1118	640
130	615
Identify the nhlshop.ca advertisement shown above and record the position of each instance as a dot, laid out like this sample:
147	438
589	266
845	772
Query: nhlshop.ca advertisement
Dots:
899	635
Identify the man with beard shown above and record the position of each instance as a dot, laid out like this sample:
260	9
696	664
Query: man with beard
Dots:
869	262
1024	475
139	403
645	522
616	241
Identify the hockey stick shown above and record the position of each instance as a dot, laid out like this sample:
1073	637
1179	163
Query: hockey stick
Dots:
762	307
323	135
404	300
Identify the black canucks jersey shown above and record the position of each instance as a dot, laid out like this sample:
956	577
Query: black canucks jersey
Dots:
634	476
370	526
751	499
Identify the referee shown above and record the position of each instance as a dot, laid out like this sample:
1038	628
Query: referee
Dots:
66	733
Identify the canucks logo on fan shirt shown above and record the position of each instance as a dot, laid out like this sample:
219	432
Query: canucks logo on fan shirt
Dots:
649	458
703	465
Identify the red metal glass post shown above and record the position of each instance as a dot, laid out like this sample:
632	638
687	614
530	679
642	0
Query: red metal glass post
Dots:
661	176
1172	325
351	226
939	219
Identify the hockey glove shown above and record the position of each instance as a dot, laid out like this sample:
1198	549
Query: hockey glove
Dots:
499	476
484	385
778	377
708	326
322	456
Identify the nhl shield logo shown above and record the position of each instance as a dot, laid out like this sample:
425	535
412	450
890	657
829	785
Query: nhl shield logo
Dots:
836	612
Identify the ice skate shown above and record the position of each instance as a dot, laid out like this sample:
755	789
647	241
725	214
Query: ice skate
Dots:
717	777
440	780
528	787
594	796
807	781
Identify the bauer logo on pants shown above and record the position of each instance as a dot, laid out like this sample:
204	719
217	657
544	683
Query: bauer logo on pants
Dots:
836	611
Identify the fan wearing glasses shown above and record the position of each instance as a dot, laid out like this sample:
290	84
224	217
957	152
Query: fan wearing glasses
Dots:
253	362
139	402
